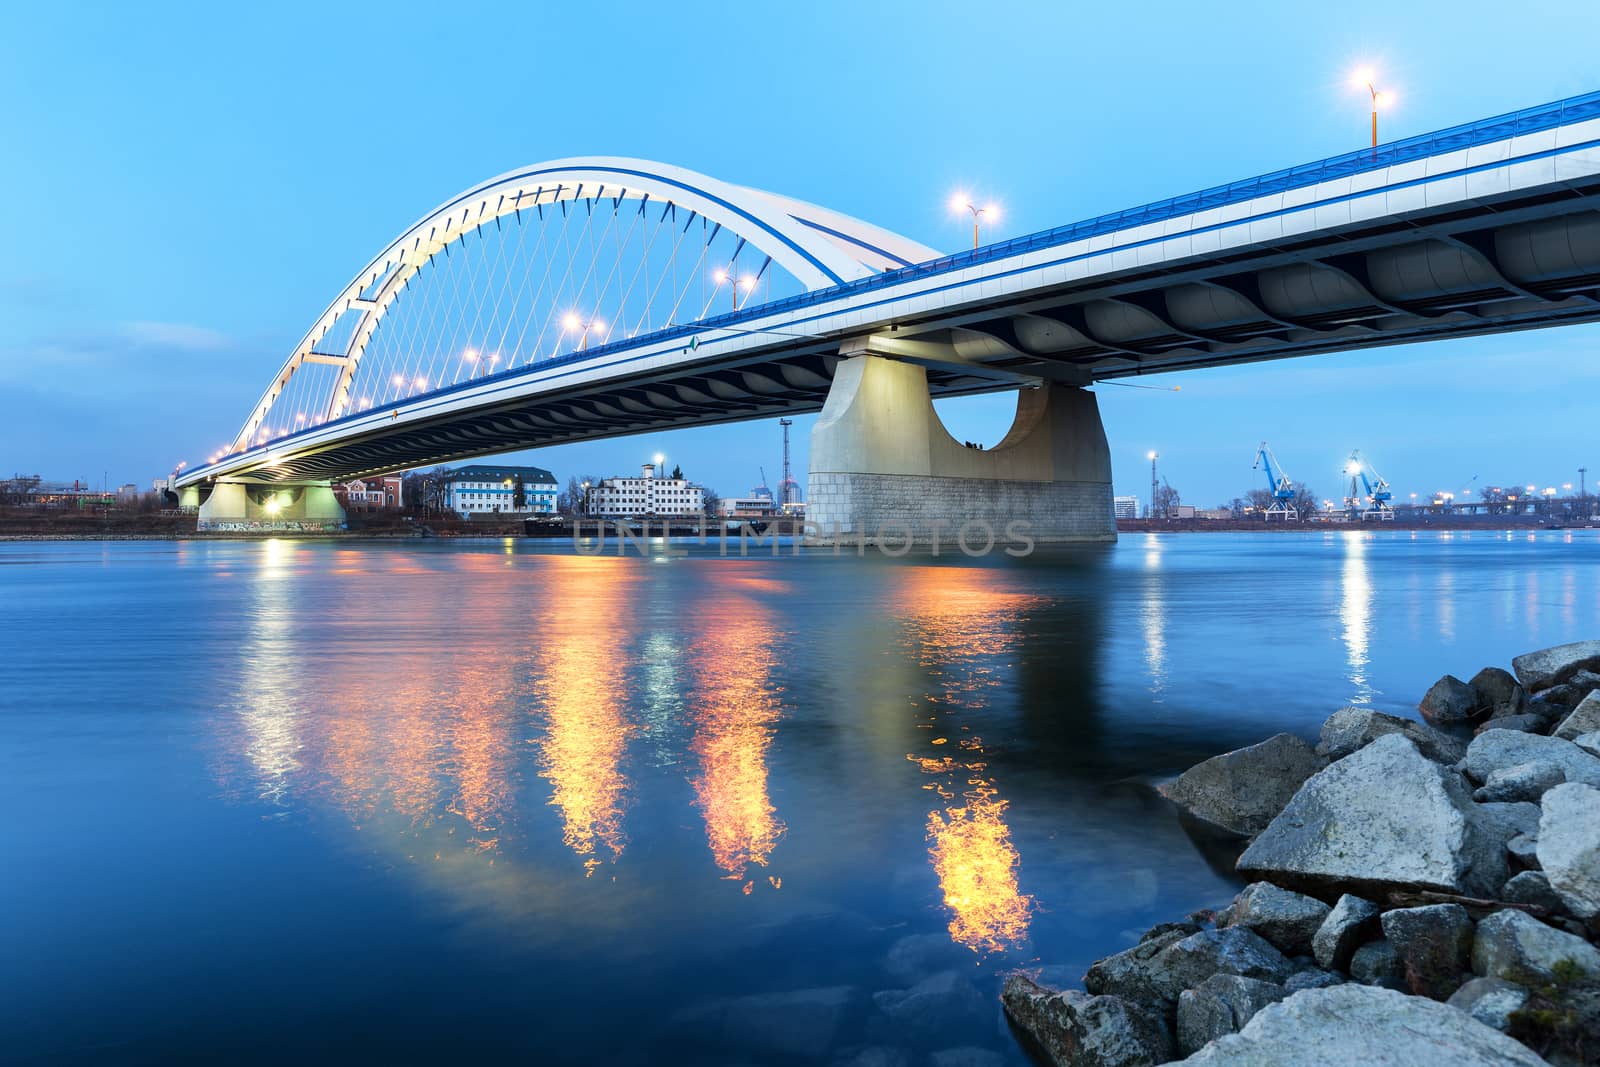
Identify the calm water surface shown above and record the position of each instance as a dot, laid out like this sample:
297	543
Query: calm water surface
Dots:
418	801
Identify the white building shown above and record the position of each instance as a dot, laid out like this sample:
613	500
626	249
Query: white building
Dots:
645	495
487	490
748	507
1125	507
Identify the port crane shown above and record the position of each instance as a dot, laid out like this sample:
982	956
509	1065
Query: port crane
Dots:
1278	484
1372	502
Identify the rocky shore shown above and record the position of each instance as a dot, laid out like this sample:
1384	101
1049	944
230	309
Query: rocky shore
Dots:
1420	893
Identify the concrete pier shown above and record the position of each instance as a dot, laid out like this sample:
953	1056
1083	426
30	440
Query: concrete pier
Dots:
306	507
882	463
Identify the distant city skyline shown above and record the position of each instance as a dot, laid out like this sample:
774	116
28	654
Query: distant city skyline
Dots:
188	210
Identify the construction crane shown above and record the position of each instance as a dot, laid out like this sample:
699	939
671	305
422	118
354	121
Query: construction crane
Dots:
1278	484
1373	501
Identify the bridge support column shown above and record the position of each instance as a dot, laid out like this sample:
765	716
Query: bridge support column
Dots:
306	507
883	463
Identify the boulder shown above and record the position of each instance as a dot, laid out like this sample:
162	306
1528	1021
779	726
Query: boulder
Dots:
1352	921
1532	887
1313	978
1573	691
1551	666
1524	851
1498	691
1289	920
1496	749
1241	791
1491	1001
1568	847
1351	1024
1512	818
1585	718
1378	963
1222	1004
938	1010
916	956
1450	701
1350	729
1078	1030
1525	781
1434	944
1527	723
1385	817
1513	945
1158	978
1589	743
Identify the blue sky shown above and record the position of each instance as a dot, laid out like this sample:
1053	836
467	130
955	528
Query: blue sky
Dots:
188	193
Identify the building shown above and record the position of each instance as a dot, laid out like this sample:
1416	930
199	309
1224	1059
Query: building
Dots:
490	490
747	507
372	494
1125	507
645	495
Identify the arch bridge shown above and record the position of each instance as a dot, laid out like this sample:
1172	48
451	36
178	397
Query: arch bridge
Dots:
597	297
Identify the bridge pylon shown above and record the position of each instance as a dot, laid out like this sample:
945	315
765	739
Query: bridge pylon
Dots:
258	506
882	464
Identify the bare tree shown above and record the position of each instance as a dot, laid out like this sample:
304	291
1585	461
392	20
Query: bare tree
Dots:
1165	504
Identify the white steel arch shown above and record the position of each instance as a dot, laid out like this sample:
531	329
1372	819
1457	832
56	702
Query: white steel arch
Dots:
818	247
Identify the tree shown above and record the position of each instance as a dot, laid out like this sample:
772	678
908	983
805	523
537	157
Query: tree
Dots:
570	501
519	495
1259	500
677	471
710	502
1305	502
1165	504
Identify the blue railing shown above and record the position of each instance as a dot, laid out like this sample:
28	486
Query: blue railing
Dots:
1484	131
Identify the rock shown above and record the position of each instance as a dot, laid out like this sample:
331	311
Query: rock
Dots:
875	1056
1241	791
802	1022
1491	1001
1378	963
1351	1024
1589	743
966	1056
1585	718
1222	1004
1350	729
1289	920
1434	944
1524	851
1532	887
1512	818
1568	847
1496	749
915	957
1573	691
1384	817
1551	666
1449	701
1526	723
936	1011
1513	945
1312	979
1498	691
1525	781
1182	929
1078	1030
1158	977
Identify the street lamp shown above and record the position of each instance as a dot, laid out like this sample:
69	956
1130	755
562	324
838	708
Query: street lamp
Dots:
586	499
959	202
1152	457
1365	79
746	282
571	323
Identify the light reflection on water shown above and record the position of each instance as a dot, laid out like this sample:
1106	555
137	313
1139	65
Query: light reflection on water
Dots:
506	775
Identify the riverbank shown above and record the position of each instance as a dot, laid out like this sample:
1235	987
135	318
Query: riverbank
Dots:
1469	523
1421	893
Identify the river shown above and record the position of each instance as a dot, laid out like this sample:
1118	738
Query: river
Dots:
424	800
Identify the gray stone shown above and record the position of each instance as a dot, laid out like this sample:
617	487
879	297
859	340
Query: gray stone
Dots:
1315	978
1585	718
1551	666
1434	944
1184	929
1512	818
1351	922
1526	723
1498	691
801	1022
1573	691
1351	1024
1241	791
1493	750
1525	781
1351	729
1513	945
1158	977
1590	743
938	1010
1524	851
1378	963
1080	1030
1289	920
1449	701
1532	887
1384	817
1569	847
1222	1004
1491	1001
966	1056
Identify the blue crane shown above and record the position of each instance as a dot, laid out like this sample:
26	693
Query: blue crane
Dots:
1376	492
1278	484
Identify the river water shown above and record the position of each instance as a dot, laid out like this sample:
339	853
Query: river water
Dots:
412	801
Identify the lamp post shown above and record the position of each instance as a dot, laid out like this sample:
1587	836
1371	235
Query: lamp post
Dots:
1153	458
585	499
960	202
571	323
746	282
1366	79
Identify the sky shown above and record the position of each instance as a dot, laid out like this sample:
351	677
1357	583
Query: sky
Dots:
190	191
